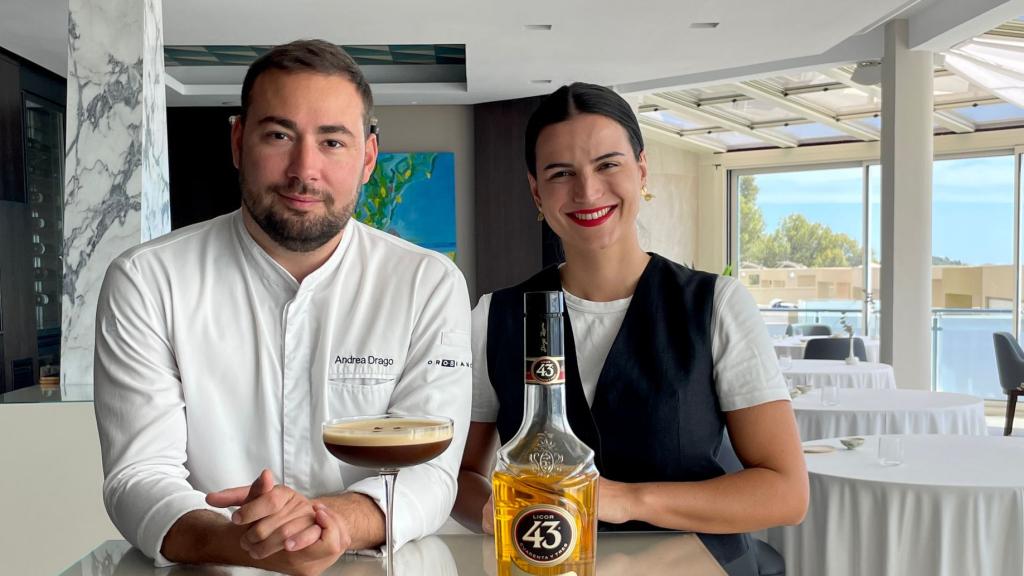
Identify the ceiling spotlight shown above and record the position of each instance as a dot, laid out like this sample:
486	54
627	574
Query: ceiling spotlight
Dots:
703	25
540	81
867	73
537	27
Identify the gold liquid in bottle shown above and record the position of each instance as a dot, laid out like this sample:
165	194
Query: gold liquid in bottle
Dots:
545	481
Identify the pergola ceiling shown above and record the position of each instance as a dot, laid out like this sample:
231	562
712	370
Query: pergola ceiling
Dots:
815	107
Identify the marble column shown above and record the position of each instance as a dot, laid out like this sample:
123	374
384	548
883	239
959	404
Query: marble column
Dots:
116	187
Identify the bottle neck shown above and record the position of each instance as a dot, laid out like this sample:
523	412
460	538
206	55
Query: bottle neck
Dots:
545	407
544	347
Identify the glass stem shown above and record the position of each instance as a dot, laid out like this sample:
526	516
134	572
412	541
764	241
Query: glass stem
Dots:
389	477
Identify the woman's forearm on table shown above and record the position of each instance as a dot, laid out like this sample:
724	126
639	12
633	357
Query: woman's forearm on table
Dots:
753	499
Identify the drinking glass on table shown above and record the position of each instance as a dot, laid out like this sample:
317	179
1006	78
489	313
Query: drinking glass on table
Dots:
829	394
785	359
386	443
890	450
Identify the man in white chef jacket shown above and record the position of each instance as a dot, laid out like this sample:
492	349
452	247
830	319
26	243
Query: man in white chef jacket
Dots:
222	347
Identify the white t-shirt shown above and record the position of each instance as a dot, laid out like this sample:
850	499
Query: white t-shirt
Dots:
745	367
213	362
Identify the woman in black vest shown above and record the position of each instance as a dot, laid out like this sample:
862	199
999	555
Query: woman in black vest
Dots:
659	358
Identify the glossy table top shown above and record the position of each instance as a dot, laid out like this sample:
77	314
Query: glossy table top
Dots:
650	554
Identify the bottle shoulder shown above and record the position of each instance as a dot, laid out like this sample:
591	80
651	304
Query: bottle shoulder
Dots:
546	451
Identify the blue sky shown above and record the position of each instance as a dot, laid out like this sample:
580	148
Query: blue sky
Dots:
972	216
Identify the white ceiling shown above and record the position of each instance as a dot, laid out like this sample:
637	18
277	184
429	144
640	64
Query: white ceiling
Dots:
637	48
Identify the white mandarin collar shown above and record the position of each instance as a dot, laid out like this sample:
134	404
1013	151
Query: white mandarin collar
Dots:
273	273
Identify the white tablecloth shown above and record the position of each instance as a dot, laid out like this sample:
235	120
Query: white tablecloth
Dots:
954	507
869	411
795	346
816	373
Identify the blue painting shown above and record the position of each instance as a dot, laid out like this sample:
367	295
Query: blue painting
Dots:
412	195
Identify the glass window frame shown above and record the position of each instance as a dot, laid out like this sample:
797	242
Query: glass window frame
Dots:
732	219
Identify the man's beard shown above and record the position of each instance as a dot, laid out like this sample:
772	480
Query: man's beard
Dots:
297	233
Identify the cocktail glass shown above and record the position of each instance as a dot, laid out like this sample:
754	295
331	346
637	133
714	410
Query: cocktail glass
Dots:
386	443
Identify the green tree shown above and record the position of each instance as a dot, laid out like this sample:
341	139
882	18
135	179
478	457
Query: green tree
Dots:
943	261
811	244
751	221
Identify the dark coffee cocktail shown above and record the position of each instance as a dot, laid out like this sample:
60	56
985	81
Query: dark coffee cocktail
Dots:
387	443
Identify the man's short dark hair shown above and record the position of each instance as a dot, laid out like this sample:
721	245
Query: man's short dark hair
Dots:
310	56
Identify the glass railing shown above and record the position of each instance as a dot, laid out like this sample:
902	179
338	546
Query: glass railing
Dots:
778	319
963	356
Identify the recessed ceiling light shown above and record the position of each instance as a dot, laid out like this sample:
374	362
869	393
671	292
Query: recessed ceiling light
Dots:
540	81
227	103
705	25
537	27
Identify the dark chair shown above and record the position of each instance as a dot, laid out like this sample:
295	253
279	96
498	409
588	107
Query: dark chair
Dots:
812	330
834	349
1010	361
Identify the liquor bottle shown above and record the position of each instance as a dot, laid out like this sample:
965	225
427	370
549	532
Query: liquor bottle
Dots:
545	481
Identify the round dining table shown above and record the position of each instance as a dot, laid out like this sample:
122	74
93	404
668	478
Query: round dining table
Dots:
795	346
863	411
818	373
954	506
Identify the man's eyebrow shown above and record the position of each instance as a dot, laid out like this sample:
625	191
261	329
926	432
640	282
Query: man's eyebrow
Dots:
283	122
290	125
557	165
607	156
334	129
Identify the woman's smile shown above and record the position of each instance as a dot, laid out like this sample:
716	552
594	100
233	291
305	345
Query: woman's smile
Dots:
593	216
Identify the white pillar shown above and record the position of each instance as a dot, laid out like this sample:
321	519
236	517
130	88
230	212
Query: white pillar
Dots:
907	139
116	185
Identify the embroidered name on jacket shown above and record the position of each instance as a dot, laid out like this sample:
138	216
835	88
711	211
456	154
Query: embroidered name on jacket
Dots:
369	360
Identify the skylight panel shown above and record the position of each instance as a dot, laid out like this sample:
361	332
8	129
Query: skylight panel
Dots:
952	88
735	140
670	119
812	132
756	111
875	123
992	113
710	92
843	101
801	79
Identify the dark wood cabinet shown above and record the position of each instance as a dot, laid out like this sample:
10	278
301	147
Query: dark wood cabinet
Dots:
32	107
509	240
12	158
17	299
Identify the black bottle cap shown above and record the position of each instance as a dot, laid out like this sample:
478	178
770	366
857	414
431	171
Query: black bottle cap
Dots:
542	303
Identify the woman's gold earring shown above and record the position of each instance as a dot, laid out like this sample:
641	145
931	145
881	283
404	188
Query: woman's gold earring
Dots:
540	215
647	196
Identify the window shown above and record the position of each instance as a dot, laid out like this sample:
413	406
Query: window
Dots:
972	270
804	231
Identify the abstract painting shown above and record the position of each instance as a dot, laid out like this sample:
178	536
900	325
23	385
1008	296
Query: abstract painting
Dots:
412	195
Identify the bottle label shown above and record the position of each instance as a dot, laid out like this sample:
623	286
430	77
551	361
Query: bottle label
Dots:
544	535
545	370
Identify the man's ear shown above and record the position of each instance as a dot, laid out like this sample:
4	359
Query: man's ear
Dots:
237	133
369	157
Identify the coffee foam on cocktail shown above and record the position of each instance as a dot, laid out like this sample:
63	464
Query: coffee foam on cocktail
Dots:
387	432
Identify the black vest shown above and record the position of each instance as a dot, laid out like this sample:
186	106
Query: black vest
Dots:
655	415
